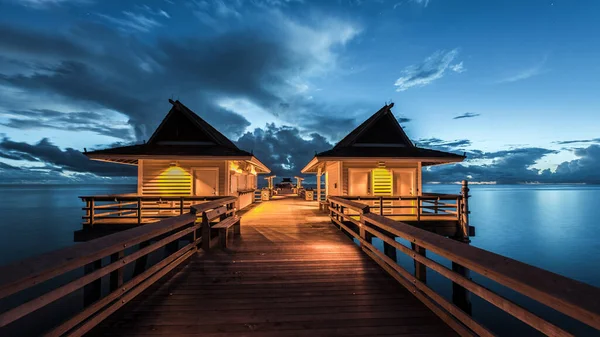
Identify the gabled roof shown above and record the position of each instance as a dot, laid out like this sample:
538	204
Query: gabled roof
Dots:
182	125
380	137
381	128
182	133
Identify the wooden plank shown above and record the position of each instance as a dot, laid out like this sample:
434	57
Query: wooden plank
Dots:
571	297
215	213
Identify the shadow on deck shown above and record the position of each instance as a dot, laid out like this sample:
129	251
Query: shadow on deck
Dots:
290	273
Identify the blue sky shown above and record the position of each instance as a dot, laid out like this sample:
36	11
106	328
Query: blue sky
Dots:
522	74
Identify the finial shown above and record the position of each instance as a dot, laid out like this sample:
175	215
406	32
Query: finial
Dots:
171	101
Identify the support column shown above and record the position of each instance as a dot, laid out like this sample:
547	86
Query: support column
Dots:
319	185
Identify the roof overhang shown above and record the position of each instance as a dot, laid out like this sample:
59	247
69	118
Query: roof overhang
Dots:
319	162
133	159
262	167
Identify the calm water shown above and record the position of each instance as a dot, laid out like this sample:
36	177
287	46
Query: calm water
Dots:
552	227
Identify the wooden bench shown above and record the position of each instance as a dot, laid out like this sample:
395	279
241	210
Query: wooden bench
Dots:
223	228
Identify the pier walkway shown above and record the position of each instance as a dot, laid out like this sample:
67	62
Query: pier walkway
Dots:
290	273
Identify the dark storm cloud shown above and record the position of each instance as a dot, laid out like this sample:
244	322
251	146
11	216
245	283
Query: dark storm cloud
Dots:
506	167
282	149
467	115
68	159
586	168
73	121
139	78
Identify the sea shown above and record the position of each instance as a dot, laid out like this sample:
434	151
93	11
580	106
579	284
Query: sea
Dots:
554	227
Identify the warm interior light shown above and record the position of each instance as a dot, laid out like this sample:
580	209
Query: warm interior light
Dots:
174	181
381	184
235	167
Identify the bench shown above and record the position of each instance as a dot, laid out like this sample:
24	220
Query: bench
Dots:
223	228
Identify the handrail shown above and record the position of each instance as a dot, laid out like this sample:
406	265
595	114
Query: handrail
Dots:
570	297
135	209
134	197
165	234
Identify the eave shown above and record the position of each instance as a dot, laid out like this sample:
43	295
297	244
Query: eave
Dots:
133	159
316	162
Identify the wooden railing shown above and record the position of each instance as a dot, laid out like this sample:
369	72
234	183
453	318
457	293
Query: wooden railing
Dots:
136	209
422	207
123	258
572	298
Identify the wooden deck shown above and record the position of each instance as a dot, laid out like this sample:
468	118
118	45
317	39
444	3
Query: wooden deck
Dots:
291	273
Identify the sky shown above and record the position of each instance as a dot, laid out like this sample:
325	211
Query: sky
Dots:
513	83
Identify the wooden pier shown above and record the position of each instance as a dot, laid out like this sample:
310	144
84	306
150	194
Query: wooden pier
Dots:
291	273
288	270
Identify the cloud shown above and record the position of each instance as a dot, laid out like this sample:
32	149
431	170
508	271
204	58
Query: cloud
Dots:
283	149
61	160
467	115
458	68
67	68
43	4
403	120
443	145
431	69
423	3
95	122
527	73
577	141
132	21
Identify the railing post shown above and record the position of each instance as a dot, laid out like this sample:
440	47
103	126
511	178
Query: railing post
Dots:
205	232
139	210
418	208
116	277
92	203
381	206
140	264
364	234
181	205
420	269
92	291
436	205
461	296
464	219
